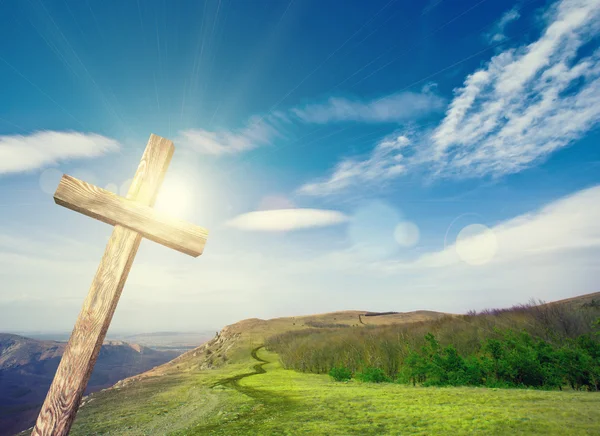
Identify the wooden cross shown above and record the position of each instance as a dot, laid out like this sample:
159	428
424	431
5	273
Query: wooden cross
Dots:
133	218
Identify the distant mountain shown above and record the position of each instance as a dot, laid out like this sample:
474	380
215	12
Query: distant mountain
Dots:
173	341
162	341
27	367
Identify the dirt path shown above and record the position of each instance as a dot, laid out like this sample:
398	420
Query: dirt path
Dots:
234	382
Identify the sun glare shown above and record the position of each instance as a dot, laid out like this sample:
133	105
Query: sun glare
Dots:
174	198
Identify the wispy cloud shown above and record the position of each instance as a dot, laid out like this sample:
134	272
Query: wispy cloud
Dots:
257	132
523	105
385	162
388	109
286	219
497	33
262	130
28	152
526	103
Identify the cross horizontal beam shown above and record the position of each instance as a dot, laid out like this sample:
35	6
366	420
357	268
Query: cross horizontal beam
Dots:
112	209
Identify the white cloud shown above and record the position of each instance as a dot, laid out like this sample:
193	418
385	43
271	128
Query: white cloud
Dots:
28	152
286	219
388	109
525	104
385	162
497	33
258	132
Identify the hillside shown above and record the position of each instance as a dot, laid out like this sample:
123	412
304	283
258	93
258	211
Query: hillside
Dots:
235	340
233	385
581	300
27	367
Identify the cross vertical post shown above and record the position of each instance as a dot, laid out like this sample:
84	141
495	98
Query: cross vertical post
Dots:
133	218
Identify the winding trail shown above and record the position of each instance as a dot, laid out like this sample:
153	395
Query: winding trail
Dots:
274	404
233	382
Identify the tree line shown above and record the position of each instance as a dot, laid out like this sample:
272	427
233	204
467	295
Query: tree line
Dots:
549	346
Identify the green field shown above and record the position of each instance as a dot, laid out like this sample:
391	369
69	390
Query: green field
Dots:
241	399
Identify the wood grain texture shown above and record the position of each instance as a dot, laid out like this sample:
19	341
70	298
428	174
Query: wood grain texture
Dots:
115	210
64	396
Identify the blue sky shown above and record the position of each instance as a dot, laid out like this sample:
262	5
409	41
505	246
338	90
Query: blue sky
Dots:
380	155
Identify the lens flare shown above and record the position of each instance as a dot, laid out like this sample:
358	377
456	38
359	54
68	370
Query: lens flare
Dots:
406	234
476	244
49	180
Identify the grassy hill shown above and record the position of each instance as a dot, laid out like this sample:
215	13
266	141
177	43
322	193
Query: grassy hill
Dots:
233	385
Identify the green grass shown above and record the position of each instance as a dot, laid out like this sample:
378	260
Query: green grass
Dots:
160	405
284	402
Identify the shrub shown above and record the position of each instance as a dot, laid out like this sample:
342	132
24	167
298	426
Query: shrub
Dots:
372	375
513	360
579	368
340	373
487	348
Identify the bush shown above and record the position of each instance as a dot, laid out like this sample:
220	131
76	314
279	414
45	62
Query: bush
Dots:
372	375
561	348
340	373
513	360
580	369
